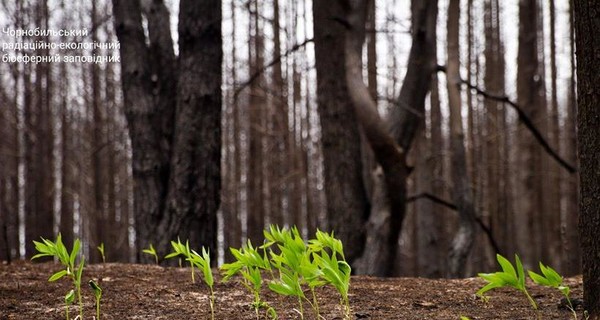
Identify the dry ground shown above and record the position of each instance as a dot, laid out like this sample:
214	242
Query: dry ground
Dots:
152	292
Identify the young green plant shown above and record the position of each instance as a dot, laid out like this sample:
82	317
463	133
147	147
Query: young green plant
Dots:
292	259
57	249
101	250
202	262
98	295
508	277
551	278
151	251
249	263
292	248
333	266
181	250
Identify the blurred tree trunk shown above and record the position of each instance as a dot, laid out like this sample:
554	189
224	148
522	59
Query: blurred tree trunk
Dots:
371	39
98	216
495	127
587	16
347	203
389	147
232	212
4	176
570	239
553	221
462	194
529	190
67	165
279	127
256	180
173	109
39	190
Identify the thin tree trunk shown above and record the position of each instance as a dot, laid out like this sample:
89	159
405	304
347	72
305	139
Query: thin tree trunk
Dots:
570	235
256	195
462	194
529	158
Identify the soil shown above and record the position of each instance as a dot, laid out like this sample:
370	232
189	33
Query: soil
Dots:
133	291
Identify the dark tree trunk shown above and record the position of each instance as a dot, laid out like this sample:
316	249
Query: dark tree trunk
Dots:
347	203
176	162
196	164
67	174
587	26
150	161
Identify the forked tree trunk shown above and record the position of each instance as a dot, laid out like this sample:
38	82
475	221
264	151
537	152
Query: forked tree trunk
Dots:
347	203
173	110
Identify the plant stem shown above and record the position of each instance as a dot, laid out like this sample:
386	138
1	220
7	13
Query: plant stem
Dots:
193	278
301	309
67	311
346	304
315	303
212	303
533	304
98	308
80	301
256	304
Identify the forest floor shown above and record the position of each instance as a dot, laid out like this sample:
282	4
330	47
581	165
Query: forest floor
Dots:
133	291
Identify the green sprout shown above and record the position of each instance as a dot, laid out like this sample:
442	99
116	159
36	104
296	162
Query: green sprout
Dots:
202	262
57	249
181	250
331	266
508	277
98	295
249	263
151	251
69	298
335	272
101	249
294	265
551	278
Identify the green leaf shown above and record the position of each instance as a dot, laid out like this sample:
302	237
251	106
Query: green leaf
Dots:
80	270
553	277
172	255
521	273
96	288
507	267
76	246
488	287
57	275
564	290
539	279
70	297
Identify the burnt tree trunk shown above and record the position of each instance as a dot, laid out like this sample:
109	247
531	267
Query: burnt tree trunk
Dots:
392	139
347	203
173	110
587	27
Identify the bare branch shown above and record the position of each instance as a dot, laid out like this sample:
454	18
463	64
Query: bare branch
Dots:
522	117
452	206
273	62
